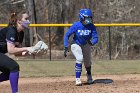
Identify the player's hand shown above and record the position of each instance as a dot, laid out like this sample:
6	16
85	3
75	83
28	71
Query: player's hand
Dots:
65	51
31	50
24	53
90	43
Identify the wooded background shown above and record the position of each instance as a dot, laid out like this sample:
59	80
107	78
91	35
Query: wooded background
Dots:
125	40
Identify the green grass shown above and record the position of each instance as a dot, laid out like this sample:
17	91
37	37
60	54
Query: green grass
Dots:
117	67
36	68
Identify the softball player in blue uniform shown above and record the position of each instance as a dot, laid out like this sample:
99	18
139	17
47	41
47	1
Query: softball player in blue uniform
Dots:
11	38
85	36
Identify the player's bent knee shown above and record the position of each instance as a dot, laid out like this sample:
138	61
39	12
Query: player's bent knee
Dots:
79	58
14	67
79	61
87	64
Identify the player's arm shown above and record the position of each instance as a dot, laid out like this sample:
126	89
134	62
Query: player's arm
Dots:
66	38
68	34
94	36
15	50
11	43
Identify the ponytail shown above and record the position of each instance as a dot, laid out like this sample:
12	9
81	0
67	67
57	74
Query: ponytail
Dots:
13	20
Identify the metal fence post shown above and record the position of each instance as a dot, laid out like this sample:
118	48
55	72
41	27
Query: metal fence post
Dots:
50	43
110	48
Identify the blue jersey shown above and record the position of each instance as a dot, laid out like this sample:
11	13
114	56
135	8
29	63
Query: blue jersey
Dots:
82	34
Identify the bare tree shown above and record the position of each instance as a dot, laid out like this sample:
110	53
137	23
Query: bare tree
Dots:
30	5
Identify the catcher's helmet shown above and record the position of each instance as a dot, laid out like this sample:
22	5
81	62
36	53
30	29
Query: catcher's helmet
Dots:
85	13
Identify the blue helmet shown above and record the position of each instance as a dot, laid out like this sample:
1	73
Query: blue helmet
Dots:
85	13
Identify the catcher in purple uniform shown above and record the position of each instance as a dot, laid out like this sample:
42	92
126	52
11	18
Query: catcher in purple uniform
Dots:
85	36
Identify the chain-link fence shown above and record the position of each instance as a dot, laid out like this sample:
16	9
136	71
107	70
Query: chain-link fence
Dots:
114	43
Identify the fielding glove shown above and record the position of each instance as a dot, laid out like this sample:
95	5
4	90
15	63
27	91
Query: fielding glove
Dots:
31	50
43	49
65	51
40	46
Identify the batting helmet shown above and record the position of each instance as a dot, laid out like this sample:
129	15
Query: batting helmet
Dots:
85	13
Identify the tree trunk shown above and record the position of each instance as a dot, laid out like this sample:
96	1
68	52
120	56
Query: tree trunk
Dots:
30	5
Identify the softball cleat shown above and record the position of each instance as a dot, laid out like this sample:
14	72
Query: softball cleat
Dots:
78	82
90	81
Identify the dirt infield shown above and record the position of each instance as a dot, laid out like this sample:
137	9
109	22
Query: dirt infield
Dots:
116	84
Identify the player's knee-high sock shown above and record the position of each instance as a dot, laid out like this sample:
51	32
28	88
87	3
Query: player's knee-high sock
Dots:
78	70
14	81
88	69
4	77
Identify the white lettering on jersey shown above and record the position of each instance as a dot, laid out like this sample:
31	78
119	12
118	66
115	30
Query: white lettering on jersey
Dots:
84	32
